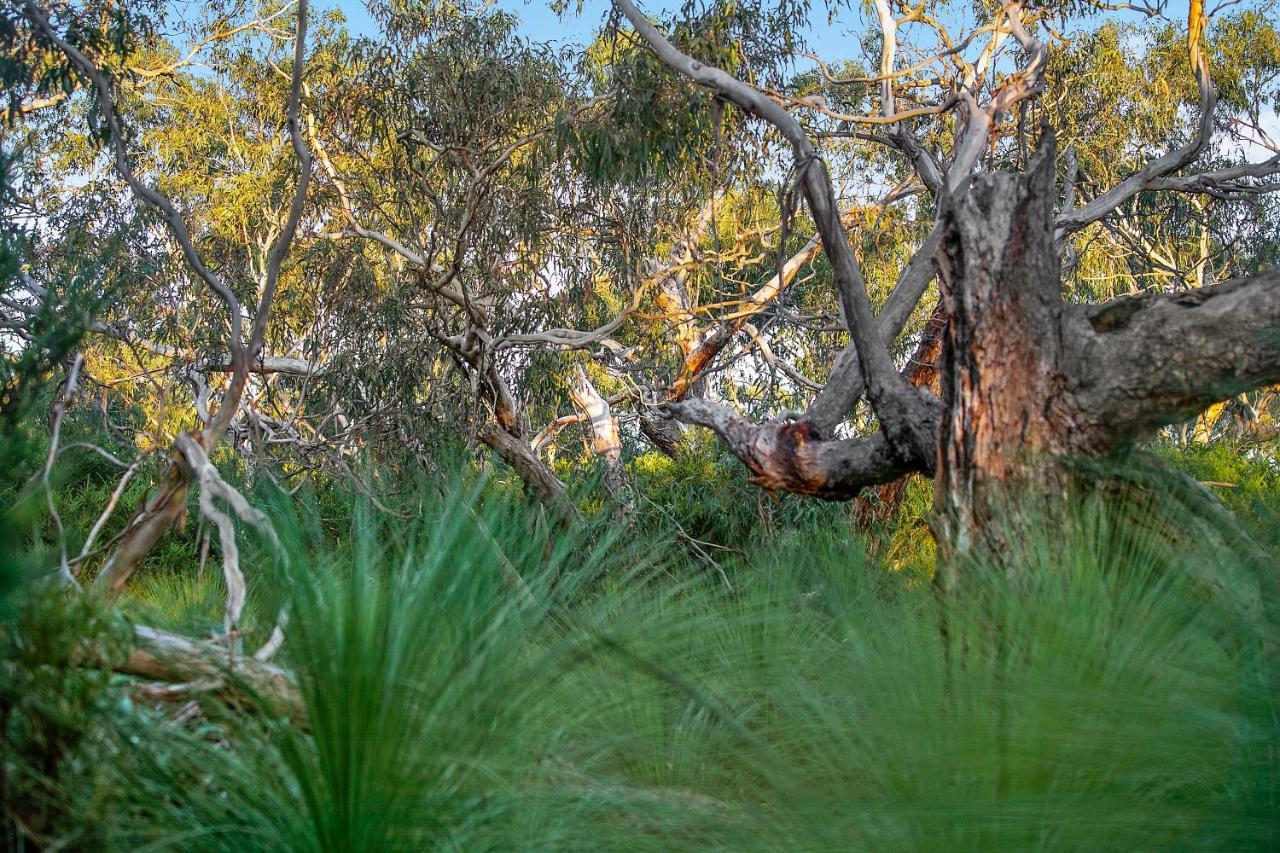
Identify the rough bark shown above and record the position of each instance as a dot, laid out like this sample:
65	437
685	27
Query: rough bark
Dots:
536	476
1161	358
665	433
1004	362
1030	383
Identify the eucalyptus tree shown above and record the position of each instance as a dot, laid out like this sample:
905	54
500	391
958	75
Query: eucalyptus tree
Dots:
58	34
502	240
1029	379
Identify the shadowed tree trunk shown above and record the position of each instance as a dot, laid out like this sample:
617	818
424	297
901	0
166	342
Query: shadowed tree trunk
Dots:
665	433
1004	371
881	503
532	471
1030	384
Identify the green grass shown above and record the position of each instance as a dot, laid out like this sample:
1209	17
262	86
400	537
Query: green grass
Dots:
1089	699
475	679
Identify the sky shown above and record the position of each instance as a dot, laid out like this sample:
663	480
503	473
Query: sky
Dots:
539	23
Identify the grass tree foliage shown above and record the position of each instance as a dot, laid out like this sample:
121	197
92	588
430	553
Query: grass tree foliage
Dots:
355	486
1101	695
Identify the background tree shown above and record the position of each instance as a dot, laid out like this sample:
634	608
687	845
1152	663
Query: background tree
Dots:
499	231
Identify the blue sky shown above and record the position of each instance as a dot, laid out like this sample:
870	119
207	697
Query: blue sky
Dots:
539	23
830	40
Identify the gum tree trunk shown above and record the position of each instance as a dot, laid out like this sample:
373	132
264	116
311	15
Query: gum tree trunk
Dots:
1031	383
1007	407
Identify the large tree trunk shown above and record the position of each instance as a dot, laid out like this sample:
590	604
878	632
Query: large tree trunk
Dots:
1003	371
1031	383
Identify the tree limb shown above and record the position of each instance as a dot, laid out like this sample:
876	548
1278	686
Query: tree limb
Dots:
892	399
788	456
1164	357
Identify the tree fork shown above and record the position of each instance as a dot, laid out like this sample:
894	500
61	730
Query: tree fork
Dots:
881	504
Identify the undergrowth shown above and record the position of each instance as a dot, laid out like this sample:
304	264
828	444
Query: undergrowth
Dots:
474	678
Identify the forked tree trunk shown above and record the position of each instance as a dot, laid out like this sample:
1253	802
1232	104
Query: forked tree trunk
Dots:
880	504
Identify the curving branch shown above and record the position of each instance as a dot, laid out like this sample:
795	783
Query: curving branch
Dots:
789	456
1231	182
699	355
1153	174
896	403
844	384
168	504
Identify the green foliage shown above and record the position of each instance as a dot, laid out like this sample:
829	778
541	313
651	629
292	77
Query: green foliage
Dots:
657	126
1247	483
415	656
32	68
1086	700
476	679
705	491
730	669
59	715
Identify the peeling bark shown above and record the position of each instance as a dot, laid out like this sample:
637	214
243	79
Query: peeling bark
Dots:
1030	382
1030	385
788	456
606	442
1003	363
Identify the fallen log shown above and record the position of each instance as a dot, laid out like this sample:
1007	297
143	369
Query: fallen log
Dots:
174	659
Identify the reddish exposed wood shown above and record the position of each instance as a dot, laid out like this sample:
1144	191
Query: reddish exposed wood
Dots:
789	456
1003	365
1030	382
